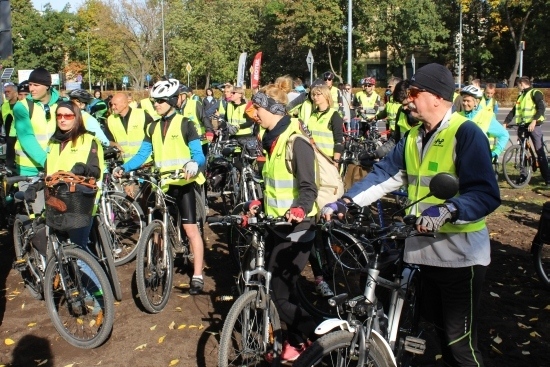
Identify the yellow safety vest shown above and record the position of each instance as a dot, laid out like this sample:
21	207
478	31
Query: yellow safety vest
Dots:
391	112
483	119
190	111
130	140
305	111
437	157
235	116
487	105
43	130
526	109
403	124
173	152
7	111
321	134
367	102
281	187
334	94
146	105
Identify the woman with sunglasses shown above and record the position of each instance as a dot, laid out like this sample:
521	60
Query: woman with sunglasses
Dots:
175	143
292	196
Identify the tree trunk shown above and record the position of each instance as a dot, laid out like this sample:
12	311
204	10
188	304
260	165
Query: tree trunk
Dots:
516	40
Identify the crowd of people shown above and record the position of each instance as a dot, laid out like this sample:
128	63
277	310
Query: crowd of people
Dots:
432	128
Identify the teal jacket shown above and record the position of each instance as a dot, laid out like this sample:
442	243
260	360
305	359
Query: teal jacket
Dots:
25	135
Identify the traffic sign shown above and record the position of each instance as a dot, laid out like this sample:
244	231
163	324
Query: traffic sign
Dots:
125	80
148	78
188	68
413	63
7	73
309	60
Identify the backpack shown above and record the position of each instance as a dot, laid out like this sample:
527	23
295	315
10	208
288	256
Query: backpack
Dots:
330	186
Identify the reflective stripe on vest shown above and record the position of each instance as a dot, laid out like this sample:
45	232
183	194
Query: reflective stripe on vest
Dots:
64	160
321	134
146	105
438	156
526	108
235	116
130	140
173	152
42	128
367	102
281	187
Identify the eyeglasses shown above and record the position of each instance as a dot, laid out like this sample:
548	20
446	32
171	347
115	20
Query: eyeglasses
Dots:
236	93
65	116
368	85
327	79
348	88
47	111
414	92
159	100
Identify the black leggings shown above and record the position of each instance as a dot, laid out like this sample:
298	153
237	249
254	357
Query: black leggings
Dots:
286	262
185	199
450	299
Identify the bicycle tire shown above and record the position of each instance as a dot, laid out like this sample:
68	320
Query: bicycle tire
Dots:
105	256
237	243
541	260
151	277
332	349
32	259
127	223
408	320
246	307
71	316
511	167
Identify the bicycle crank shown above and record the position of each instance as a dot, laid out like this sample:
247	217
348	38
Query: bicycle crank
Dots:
415	345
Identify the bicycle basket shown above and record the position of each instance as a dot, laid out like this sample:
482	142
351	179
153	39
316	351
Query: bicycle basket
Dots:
70	201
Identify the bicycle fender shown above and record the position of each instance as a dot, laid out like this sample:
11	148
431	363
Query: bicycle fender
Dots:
331	324
384	347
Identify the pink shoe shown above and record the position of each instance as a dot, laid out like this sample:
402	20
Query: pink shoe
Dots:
290	353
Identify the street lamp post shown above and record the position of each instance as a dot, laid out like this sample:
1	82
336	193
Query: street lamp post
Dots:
350	29
89	69
163	40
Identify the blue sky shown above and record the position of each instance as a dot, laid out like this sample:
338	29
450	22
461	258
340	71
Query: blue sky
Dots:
57	4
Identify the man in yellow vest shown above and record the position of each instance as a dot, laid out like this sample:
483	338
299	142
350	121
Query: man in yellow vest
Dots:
488	100
23	90
367	101
35	123
335	93
11	97
181	151
529	113
390	108
192	109
239	125
127	126
454	262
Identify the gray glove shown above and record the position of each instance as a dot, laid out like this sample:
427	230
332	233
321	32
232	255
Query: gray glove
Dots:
116	170
434	217
232	129
191	168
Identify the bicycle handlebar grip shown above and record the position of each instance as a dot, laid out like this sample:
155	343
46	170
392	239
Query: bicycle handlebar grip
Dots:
215	220
15	179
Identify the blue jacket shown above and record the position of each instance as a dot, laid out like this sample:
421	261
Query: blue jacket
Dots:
496	131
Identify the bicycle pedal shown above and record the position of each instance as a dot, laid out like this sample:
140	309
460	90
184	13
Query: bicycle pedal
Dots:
20	265
415	345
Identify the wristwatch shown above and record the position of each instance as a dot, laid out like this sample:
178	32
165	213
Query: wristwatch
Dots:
452	209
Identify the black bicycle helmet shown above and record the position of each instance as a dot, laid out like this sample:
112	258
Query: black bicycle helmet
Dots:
329	75
183	89
81	95
23	87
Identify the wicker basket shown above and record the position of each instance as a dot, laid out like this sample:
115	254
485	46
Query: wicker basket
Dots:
69	205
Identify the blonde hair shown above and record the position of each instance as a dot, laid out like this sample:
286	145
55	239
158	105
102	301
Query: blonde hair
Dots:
275	92
285	83
325	92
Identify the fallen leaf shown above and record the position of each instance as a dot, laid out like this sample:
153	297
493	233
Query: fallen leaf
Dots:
70	365
438	357
534	319
520	268
534	334
500	283
526	343
42	362
525	352
178	309
211	332
495	349
174	362
182	326
171	326
183	295
497	340
183	285
522	326
534	308
161	339
201	327
23	306
140	347
494	294
516	293
153	327
547	307
8	341
192	326
519	315
31	324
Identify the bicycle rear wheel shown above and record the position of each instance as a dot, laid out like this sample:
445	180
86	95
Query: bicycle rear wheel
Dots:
79	298
250	333
541	260
153	278
334	349
28	260
516	167
126	224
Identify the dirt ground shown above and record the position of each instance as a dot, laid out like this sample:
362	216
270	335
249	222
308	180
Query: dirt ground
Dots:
514	329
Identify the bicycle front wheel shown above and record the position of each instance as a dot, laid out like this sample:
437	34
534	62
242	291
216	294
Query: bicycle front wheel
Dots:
155	268
126	223
79	298
541	260
251	334
335	349
516	167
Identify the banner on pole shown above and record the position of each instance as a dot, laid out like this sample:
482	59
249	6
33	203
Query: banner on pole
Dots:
256	66
241	70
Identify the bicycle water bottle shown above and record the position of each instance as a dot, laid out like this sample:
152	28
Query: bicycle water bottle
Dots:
371	284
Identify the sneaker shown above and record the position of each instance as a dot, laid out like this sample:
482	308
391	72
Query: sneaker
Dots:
521	179
323	289
197	284
290	353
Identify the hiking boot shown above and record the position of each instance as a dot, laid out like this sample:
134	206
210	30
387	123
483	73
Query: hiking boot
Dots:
323	289
197	284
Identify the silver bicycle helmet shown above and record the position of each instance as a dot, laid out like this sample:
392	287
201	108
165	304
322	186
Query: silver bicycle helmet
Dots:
82	95
471	90
165	89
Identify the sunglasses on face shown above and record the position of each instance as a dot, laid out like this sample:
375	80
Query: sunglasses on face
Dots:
414	92
65	116
368	85
159	100
47	111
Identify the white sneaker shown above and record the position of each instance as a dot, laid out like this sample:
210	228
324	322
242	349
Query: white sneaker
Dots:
323	289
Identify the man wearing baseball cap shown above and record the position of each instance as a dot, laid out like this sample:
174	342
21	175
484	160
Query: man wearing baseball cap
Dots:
34	125
453	263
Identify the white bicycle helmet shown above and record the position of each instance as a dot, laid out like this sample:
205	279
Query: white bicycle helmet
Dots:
473	91
165	88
